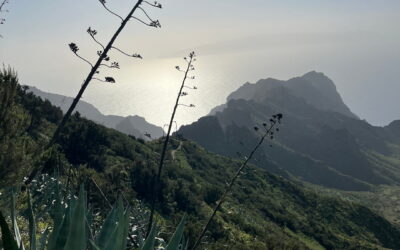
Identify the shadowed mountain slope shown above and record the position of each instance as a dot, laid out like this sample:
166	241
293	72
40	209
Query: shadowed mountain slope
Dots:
264	211
322	141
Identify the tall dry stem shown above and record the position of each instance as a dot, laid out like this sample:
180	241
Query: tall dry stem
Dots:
155	187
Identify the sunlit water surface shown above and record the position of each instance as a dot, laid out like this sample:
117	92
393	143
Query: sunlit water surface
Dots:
149	88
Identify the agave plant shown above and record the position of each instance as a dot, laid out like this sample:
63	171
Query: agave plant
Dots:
72	229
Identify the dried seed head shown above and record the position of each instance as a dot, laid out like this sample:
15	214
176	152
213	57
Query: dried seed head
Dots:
74	48
110	79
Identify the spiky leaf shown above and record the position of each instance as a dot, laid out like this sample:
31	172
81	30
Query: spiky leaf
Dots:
77	233
58	218
32	224
61	238
150	241
176	238
107	229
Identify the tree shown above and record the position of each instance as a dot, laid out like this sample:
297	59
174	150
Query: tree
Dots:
103	60
13	122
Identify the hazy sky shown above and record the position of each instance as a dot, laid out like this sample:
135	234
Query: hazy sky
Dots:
354	42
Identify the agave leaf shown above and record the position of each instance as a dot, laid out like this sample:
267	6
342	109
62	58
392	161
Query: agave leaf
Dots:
14	221
120	237
123	223
177	236
58	216
9	243
89	221
32	224
77	233
126	228
150	241
107	229
117	224
116	239
111	239
61	237
120	208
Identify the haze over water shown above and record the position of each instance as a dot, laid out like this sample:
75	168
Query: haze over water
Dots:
235	43
152	84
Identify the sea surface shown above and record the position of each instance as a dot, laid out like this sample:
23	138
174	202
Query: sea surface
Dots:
366	75
149	88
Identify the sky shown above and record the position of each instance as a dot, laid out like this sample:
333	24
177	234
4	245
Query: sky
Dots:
354	42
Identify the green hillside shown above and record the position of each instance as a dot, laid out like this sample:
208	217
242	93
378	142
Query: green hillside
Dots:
264	211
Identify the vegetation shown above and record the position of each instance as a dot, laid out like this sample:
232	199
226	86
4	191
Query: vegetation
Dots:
47	156
155	187
73	228
382	199
263	210
102	61
268	133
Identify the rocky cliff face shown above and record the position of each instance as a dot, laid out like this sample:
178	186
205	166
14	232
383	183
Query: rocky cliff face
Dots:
321	140
315	88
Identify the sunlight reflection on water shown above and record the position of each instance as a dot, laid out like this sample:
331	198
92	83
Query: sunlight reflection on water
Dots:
149	88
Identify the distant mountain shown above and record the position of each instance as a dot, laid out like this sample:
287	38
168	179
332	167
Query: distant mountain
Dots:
315	88
131	125
321	142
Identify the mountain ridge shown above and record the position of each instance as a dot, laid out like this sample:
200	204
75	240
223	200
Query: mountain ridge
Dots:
314	87
321	142
132	125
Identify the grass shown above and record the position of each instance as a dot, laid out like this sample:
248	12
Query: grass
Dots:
309	242
383	199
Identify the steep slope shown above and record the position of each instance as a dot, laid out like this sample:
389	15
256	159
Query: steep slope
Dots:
131	125
319	91
263	212
136	125
393	131
315	88
321	141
